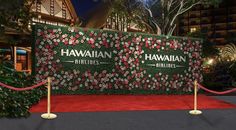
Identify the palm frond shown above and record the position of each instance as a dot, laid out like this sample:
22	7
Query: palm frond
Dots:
228	52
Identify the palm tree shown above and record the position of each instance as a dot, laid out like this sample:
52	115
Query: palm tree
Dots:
228	52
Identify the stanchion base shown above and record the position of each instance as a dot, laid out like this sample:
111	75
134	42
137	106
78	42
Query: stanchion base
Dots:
195	112
49	116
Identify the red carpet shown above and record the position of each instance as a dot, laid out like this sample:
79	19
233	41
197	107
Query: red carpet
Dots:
92	103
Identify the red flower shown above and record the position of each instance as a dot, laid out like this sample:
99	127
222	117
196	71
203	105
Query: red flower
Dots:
105	43
77	35
147	44
37	41
109	86
133	39
91	41
158	46
66	42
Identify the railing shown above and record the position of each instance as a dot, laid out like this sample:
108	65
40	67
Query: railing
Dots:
197	86
47	115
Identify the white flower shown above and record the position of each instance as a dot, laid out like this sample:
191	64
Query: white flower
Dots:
111	44
70	41
115	52
167	89
81	33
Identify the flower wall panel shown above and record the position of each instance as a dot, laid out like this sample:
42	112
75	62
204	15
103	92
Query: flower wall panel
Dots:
83	60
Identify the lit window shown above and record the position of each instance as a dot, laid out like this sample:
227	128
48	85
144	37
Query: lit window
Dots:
193	29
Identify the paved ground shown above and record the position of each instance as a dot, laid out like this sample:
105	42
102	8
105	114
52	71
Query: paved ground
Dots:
134	120
230	99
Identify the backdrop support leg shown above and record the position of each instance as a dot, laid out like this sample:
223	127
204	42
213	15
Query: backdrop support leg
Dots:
195	111
49	115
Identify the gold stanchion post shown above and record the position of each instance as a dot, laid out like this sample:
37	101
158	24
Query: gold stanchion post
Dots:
49	115
195	111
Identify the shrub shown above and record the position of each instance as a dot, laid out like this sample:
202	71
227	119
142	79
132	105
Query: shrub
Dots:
17	103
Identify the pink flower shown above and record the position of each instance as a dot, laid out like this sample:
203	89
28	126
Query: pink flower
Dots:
146	44
91	41
77	35
66	42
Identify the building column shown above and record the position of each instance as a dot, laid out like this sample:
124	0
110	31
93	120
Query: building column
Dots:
29	61
15	57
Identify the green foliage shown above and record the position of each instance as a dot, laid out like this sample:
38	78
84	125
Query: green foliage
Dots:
208	49
17	103
220	77
207	3
122	92
15	14
232	72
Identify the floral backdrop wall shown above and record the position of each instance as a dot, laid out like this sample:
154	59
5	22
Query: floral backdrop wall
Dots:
81	60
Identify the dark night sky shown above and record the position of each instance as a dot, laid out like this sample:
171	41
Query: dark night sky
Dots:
84	7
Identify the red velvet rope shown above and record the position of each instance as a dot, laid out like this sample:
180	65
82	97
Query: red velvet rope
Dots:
23	89
215	92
